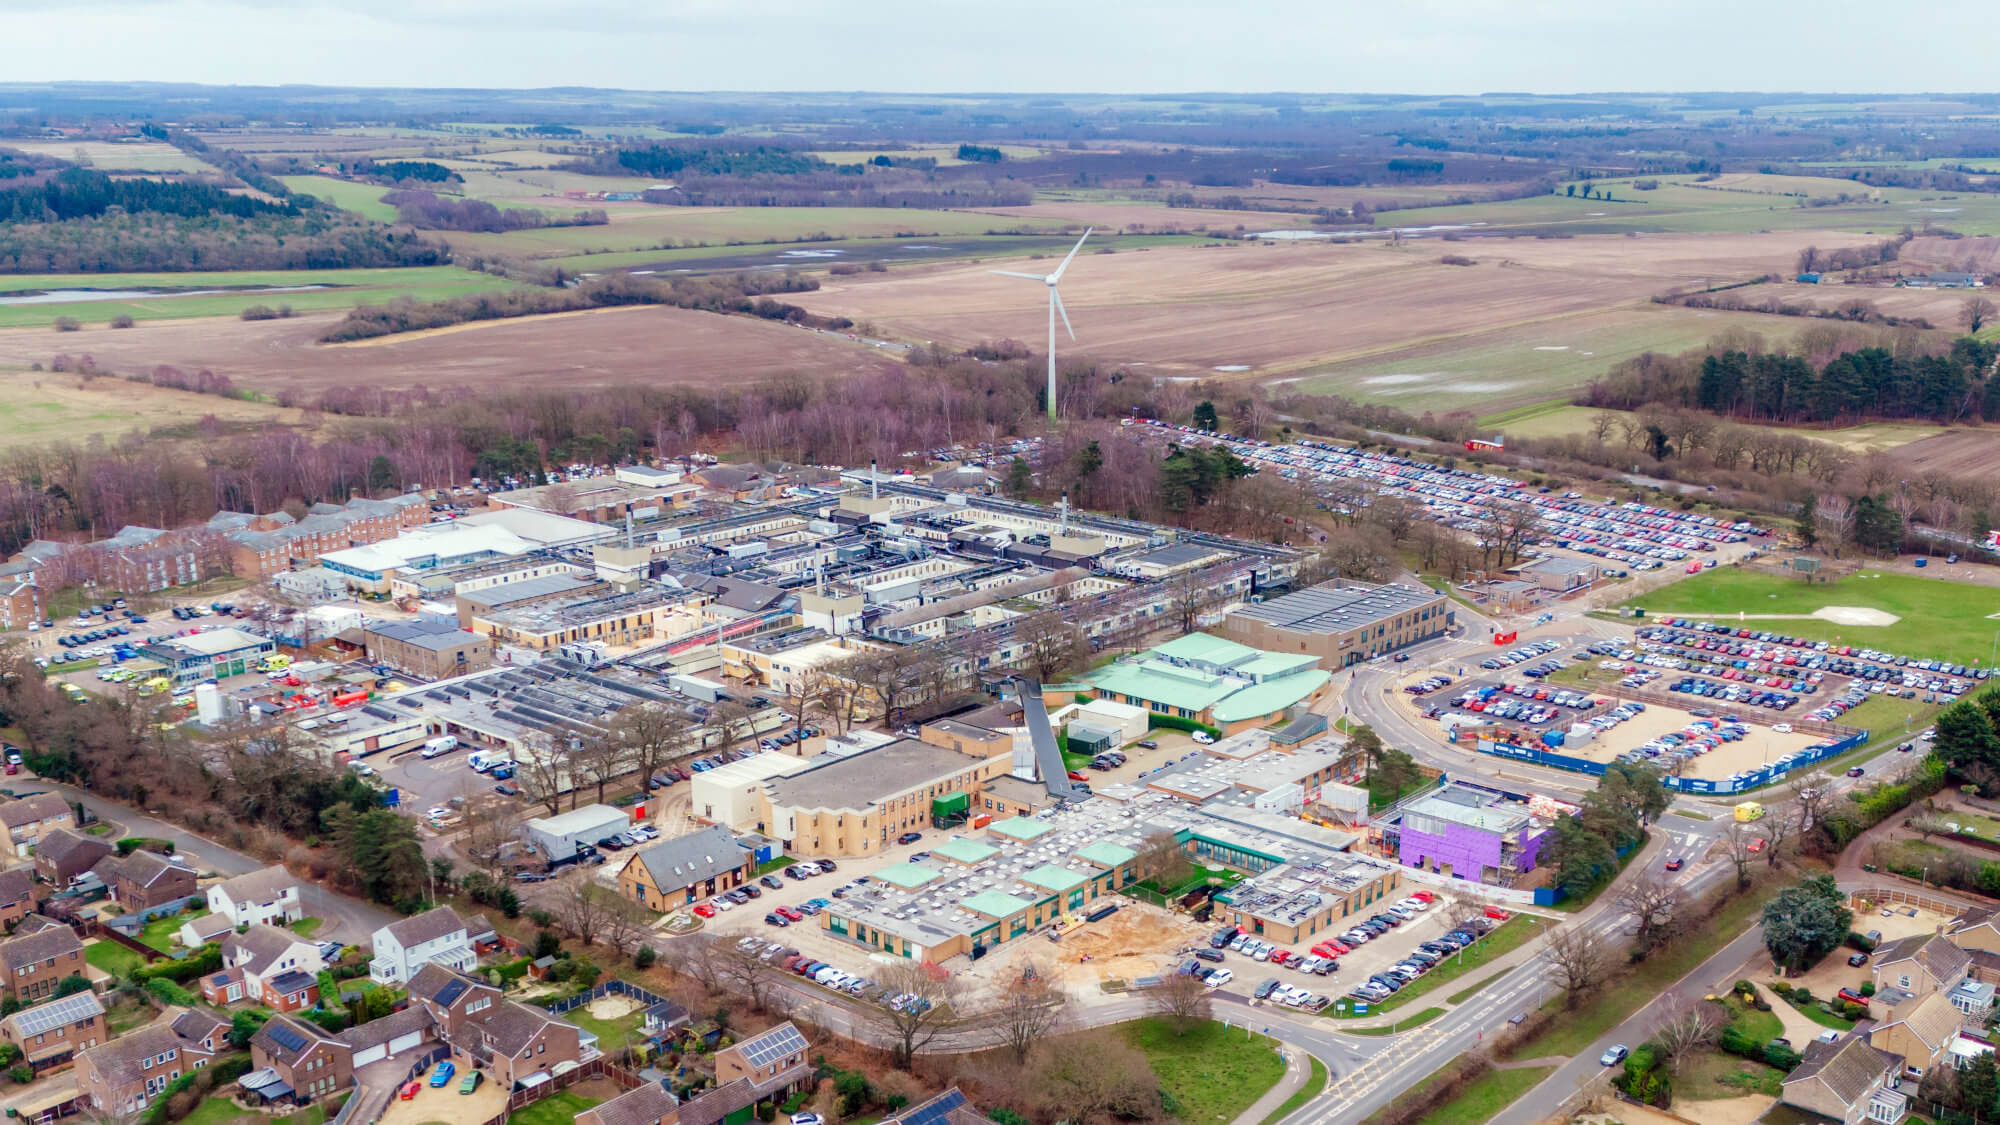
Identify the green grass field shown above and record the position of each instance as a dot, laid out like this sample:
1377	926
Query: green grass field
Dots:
344	289
43	409
1214	1072
721	226
1557	417
1938	618
362	199
114	959
558	1109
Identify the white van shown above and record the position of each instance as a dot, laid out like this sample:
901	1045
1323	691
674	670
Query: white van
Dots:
444	745
483	760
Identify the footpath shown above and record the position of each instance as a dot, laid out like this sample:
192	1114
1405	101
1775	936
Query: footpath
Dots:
1298	1069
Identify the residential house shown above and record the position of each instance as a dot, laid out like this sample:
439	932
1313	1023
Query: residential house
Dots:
123	1076
64	855
949	1106
32	965
204	928
145	879
269	896
403	947
1919	965
513	1043
203	1033
1918	1032
664	1017
49	1035
1977	931
764	1067
267	965
29	818
672	873
1849	1081
309	1063
17	895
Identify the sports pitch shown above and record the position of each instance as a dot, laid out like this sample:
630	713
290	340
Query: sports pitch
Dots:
1938	618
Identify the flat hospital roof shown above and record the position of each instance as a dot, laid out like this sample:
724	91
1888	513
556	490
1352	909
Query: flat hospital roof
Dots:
1058	879
1335	609
857	781
958	849
908	876
1020	828
996	904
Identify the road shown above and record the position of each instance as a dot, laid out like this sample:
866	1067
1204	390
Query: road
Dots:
343	919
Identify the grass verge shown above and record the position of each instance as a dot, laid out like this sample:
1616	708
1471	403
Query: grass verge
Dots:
1467	993
1397	1027
1315	1082
1690	814
1583	1025
114	959
1213	1072
1488	1096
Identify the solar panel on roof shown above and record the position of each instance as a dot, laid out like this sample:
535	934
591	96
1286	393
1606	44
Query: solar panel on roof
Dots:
57	1013
774	1045
935	1111
286	1037
452	990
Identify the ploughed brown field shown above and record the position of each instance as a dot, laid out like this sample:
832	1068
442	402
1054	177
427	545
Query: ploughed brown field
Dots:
1286	308
1959	452
595	348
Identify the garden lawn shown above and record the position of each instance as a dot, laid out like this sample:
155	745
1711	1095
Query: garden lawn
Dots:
1824	1019
1938	617
217	1110
1583	1026
612	1035
776	863
306	927
1713	1074
1760	1026
1315	1082
559	1109
159	933
1214	1072
114	959
1509	936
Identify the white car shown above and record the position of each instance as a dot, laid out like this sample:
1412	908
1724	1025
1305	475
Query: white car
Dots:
1203	737
437	812
1783	728
1220	977
807	1119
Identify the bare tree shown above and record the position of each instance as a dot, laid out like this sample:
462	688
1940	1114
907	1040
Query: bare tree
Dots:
489	827
1053	646
1093	1079
1975	314
1689	1026
652	736
1737	840
625	924
543	771
744	971
1181	1000
1164	860
1927	825
1033	1008
928	1009
1579	963
1191	598
599	758
1780	828
697	958
583	909
1811	793
1654	901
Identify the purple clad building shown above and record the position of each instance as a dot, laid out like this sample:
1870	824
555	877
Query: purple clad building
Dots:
1472	833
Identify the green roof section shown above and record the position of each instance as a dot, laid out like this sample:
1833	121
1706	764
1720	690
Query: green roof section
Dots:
1058	879
1160	682
1020	828
1104	853
996	904
1205	648
1270	664
958	849
1270	697
908	876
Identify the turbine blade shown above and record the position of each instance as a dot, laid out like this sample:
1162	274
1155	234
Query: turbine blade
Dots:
1011	273
1056	296
1057	276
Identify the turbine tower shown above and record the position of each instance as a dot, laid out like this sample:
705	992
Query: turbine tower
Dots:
1055	306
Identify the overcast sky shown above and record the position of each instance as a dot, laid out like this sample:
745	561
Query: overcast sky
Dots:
1391	46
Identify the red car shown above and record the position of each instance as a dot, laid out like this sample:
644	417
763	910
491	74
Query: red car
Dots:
1674	864
1076	776
789	914
1498	914
409	1090
1757	845
1423	896
704	910
1852	997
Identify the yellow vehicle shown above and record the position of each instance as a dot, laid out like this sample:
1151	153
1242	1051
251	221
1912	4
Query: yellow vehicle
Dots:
155	685
1749	811
274	663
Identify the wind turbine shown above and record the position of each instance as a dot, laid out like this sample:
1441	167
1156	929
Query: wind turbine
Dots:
1055	306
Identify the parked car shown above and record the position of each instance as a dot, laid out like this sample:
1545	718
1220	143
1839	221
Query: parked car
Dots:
470	1082
913	837
409	1090
1614	1056
441	1077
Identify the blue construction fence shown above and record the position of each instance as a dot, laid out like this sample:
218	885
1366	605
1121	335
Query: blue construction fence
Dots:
1761	776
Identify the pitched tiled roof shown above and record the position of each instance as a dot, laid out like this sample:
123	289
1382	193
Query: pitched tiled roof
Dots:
118	1061
39	946
1939	955
441	984
196	1024
1932	1019
16	882
147	868
27	810
256	948
513	1026
376	1032
428	926
1977	916
209	927
693	858
258	886
642	1105
1848	1067
287	1039
59	845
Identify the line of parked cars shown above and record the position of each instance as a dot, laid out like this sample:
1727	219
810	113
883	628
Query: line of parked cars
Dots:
1520	655
1424	957
630	838
1257	949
